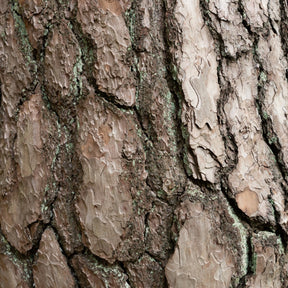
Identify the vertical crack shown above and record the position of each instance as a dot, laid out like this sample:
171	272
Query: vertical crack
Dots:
269	135
0	94
67	257
268	132
283	26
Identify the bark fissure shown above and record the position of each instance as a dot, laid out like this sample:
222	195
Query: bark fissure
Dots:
269	134
283	26
144	143
67	257
277	229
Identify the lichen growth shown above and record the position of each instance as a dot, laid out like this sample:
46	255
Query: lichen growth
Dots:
272	140
130	18
263	76
242	241
24	40
265	115
174	72
280	246
76	83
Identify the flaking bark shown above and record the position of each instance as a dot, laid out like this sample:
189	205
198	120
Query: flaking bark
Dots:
143	143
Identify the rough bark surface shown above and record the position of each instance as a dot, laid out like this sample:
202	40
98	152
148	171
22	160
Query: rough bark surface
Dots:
143	143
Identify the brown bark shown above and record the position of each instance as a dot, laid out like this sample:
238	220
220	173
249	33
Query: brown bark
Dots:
143	143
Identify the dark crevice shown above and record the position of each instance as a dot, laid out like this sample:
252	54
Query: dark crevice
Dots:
279	230
213	156
25	44
146	136
60	126
267	130
102	262
28	54
204	185
11	249
32	253
272	140
245	23
0	94
149	135
268	133
146	219
88	51
68	257
230	145
159	259
251	224
271	21
88	48
257	223
183	142
87	252
42	51
125	271
251	262
284	27
233	204
13	159
109	98
14	255
66	173
175	88
219	41
99	263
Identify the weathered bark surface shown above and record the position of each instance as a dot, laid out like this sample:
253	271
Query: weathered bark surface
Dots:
143	143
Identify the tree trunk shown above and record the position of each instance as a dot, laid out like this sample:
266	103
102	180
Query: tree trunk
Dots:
143	143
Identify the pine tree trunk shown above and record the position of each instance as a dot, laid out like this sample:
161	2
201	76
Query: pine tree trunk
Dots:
143	143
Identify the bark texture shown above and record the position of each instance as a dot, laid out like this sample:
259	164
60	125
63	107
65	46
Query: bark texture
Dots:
143	143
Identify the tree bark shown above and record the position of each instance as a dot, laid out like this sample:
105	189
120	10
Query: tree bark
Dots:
143	143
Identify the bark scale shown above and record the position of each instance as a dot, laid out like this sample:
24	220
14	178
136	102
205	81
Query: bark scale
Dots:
143	143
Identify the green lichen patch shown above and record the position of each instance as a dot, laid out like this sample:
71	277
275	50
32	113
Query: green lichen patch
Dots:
25	45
